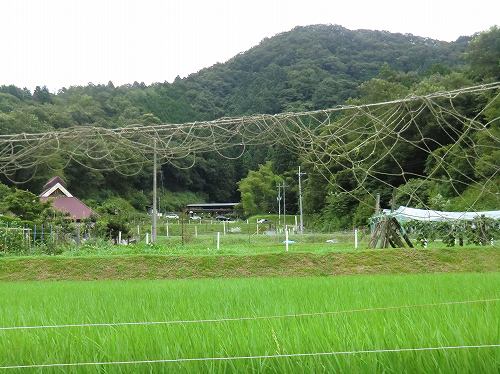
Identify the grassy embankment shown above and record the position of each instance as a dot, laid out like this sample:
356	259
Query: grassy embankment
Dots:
46	303
158	266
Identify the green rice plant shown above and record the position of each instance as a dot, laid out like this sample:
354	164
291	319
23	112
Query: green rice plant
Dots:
369	313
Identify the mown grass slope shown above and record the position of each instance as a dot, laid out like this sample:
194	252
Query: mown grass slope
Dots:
269	264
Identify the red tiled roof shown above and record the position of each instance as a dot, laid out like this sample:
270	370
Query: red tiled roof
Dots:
70	205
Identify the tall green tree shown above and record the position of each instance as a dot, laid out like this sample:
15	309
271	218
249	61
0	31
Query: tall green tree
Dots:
484	54
258	190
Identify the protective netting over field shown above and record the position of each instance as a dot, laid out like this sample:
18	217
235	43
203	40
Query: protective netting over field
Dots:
356	148
404	213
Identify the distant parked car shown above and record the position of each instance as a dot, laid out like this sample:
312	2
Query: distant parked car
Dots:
194	217
263	220
222	218
171	216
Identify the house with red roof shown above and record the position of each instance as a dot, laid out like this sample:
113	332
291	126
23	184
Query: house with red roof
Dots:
63	201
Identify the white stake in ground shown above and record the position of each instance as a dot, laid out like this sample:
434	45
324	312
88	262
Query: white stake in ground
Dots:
196	231
218	240
286	238
119	237
356	238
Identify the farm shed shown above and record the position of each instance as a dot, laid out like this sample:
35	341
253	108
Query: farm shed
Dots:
212	207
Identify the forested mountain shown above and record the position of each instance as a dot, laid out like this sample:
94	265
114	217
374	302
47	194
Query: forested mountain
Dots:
306	68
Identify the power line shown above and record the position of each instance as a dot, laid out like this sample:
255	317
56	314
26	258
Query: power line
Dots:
249	318
260	357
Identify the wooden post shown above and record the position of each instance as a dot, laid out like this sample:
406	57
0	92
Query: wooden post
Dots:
182	227
393	200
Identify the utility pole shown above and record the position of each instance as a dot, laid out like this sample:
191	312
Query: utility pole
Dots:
284	203
278	198
300	202
155	210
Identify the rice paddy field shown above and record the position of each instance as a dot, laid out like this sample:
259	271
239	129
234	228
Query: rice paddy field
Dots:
359	324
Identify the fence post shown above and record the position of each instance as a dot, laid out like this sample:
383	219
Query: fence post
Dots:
218	240
119	237
147	238
224	226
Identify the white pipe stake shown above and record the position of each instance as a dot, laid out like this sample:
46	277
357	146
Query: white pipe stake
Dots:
119	237
218	240
286	238
356	238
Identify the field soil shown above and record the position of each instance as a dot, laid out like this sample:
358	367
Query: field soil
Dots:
390	261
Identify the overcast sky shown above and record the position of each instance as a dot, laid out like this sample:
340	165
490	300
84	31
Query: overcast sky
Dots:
60	43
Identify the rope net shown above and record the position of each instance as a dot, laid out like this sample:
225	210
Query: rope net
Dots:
354	147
